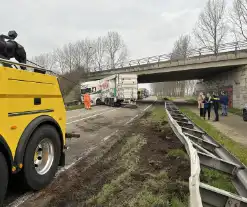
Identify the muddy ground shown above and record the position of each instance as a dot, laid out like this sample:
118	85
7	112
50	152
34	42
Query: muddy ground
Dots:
143	165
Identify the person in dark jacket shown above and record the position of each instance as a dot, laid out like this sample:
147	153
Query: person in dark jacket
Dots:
216	104
207	106
224	103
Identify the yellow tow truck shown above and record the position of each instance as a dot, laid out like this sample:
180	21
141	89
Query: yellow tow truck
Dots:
32	125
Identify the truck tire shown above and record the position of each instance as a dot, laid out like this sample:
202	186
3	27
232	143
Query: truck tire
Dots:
4	177
41	157
245	115
98	102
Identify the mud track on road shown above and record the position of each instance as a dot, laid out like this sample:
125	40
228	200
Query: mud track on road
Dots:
143	165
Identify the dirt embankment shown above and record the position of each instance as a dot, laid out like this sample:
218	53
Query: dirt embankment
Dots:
146	167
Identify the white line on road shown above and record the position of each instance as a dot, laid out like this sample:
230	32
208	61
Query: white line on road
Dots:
88	117
131	119
150	105
84	154
109	136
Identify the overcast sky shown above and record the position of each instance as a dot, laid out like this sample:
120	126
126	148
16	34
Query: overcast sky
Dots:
148	27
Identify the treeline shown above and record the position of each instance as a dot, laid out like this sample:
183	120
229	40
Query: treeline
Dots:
215	25
74	60
90	54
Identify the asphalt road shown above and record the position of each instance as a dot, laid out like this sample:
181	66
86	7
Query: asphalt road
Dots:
94	126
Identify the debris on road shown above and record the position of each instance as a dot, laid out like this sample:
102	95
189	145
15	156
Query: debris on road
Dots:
141	168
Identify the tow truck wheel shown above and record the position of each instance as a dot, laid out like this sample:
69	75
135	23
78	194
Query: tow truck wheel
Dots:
4	176
42	157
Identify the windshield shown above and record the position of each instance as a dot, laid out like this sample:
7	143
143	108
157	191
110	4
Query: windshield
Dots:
85	90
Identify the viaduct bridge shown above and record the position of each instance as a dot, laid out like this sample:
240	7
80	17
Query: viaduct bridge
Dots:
225	70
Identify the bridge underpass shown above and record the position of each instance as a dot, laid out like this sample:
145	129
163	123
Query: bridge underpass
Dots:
183	75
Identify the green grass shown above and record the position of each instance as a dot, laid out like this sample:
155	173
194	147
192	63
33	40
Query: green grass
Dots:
217	179
237	149
177	153
70	108
191	99
159	114
236	111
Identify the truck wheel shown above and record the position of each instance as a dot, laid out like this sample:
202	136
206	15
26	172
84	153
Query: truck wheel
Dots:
98	102
42	157
245	115
4	177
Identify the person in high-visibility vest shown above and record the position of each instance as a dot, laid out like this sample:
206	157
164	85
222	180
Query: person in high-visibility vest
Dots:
216	103
89	101
85	98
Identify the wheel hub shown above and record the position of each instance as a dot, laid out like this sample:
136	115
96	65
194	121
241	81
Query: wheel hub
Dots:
44	156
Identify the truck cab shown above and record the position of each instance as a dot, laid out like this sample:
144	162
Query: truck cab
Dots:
93	88
32	129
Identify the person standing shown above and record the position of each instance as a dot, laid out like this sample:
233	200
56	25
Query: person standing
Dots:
216	102
207	106
200	104
224	103
85	99
89	101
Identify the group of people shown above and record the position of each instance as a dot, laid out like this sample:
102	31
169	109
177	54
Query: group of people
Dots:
205	103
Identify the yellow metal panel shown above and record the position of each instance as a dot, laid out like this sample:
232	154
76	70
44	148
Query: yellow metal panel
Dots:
18	89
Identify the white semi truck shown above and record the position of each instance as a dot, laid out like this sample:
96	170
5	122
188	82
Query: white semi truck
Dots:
113	90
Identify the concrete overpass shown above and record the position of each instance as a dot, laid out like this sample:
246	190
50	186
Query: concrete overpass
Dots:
226	71
197	67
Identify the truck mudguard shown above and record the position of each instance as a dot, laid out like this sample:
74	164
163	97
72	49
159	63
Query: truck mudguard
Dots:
20	150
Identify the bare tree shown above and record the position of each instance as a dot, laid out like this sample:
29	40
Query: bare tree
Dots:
211	27
115	48
68	56
182	48
89	51
239	18
100	51
64	58
46	60
60	60
78	54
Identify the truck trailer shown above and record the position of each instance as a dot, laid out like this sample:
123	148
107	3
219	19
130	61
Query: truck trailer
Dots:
113	90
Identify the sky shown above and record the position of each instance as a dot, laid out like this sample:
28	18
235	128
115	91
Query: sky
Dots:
148	27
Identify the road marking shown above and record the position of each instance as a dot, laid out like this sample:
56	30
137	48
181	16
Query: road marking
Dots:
91	112
150	105
88	117
131	120
84	154
109	136
20	200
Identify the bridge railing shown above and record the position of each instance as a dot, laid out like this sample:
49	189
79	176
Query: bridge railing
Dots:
193	53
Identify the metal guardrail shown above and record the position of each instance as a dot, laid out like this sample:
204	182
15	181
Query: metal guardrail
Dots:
21	64
196	52
204	150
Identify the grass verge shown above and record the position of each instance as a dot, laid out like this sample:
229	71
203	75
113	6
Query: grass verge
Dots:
236	111
217	179
191	100
239	150
148	178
